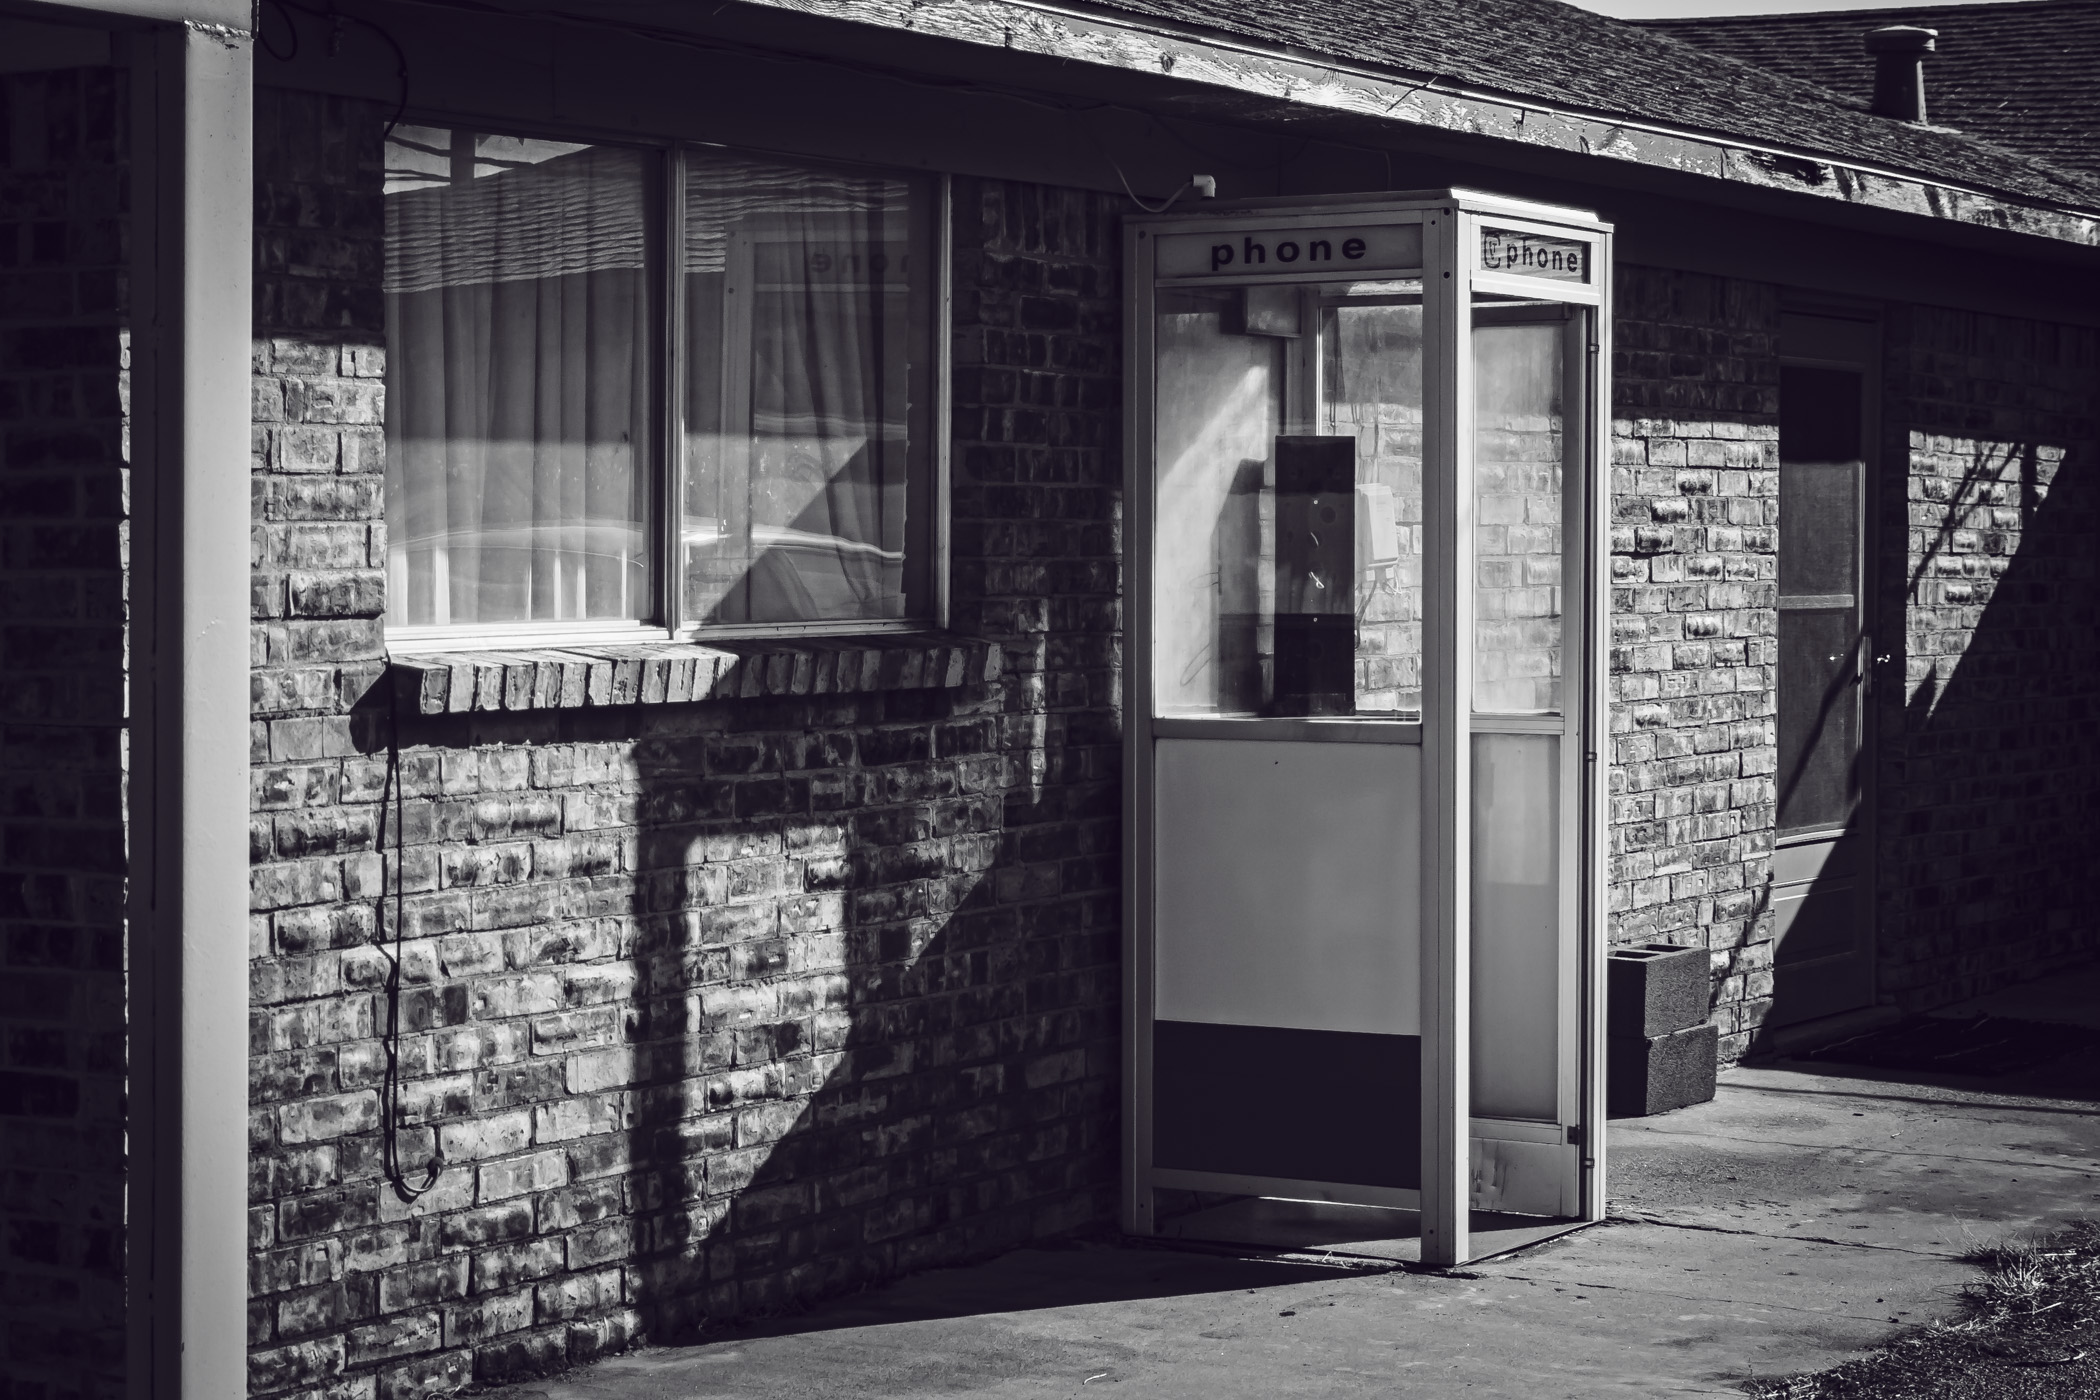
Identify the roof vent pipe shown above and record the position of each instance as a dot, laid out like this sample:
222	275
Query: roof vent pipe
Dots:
1899	70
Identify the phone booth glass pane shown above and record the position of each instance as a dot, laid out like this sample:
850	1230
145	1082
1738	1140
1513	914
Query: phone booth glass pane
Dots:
1516	925
1287	558
1220	408
1519	485
1372	390
1529	388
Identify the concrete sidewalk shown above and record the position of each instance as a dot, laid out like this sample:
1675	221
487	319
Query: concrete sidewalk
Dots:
1799	1219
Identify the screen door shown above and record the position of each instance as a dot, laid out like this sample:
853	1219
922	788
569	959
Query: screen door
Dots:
1822	864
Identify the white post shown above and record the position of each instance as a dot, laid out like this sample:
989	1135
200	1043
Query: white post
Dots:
192	160
1596	736
1447	806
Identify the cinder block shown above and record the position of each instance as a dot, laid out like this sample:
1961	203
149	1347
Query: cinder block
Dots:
1654	989
1654	1074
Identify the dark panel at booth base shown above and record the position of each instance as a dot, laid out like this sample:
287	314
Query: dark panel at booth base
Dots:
1335	1106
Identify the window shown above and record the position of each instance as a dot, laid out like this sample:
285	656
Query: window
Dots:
638	392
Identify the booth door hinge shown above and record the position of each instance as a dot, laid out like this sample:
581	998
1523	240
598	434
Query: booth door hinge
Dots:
1574	1134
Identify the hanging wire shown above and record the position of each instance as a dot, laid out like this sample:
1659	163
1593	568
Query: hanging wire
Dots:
338	19
1427	84
1148	208
290	26
390	1110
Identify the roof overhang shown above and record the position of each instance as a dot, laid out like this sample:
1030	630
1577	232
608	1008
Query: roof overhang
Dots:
233	18
1434	103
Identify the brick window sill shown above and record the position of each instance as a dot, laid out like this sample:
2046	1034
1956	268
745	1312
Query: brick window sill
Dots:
672	673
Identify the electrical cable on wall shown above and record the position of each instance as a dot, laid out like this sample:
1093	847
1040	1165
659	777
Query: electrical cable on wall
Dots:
1204	185
262	36
390	1111
337	19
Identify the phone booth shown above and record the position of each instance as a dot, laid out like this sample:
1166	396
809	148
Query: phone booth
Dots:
1365	708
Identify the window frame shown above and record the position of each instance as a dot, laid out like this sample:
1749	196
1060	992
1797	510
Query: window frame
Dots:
667	391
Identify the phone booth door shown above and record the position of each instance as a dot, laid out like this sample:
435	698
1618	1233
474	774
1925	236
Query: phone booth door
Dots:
1364	948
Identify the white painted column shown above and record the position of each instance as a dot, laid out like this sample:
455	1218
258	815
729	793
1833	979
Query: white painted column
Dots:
192	154
1447	803
1595	732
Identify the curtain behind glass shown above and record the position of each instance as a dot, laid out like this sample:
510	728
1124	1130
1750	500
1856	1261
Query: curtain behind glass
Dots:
807	390
517	380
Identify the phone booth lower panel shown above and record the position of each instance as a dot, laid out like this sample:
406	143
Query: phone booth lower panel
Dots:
1364	936
1268	1028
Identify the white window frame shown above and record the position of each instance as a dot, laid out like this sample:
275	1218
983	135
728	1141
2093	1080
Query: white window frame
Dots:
668	624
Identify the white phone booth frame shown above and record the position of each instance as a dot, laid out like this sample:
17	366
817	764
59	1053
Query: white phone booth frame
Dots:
1550	1166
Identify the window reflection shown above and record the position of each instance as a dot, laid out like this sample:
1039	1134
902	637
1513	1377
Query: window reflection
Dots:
808	390
518	372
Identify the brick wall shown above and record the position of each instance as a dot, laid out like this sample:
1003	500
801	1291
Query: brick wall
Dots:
63	191
708	1007
1990	749
1695	494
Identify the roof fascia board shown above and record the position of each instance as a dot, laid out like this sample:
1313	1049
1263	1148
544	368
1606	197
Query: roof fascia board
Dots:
1028	26
233	19
1436	197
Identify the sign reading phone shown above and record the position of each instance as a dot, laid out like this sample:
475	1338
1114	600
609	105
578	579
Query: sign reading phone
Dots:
1349	251
1534	255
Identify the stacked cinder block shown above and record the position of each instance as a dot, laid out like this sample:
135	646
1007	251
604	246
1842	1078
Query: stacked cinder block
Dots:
1661	1051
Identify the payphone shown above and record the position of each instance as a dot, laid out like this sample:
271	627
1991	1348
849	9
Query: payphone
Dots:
1364	707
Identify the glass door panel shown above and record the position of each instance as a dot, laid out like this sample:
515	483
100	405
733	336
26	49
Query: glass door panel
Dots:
1529	366
1818	720
1819	487
1516	926
1519	480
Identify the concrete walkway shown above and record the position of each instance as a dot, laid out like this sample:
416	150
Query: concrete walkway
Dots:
1800	1218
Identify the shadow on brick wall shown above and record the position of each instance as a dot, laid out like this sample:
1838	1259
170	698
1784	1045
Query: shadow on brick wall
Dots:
824	996
1986	764
850	1014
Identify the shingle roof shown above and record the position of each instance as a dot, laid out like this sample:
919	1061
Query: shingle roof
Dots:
1566	57
2025	75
